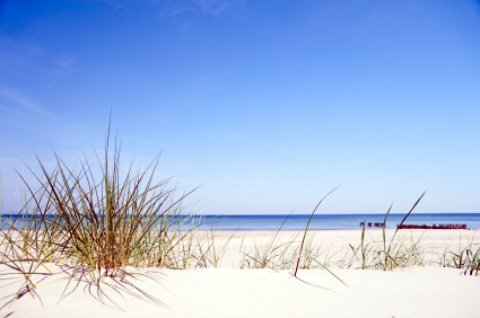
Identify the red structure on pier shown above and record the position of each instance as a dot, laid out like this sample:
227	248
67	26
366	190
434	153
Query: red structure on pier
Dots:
434	226
420	226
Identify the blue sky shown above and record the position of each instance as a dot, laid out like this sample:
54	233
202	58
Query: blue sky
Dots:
265	104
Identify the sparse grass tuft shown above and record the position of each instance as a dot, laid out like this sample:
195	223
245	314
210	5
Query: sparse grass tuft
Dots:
389	253
273	254
466	258
300	250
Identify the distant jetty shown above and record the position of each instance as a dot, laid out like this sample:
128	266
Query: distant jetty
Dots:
434	226
419	226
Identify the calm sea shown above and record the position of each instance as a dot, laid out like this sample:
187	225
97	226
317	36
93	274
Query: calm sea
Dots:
272	222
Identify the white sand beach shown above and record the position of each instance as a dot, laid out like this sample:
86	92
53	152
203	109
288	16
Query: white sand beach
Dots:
229	291
416	292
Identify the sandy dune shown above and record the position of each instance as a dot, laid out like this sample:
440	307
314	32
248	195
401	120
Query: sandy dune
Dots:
418	292
429	291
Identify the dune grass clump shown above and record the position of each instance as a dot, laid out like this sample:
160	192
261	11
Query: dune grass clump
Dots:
272	254
311	254
105	225
211	254
396	253
472	263
466	258
387	254
362	253
93	222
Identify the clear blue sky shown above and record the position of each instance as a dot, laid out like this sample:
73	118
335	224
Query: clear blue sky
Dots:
265	104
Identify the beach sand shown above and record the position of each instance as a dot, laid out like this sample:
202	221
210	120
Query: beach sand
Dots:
228	291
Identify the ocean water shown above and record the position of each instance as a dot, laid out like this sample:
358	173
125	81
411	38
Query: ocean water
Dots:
273	222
